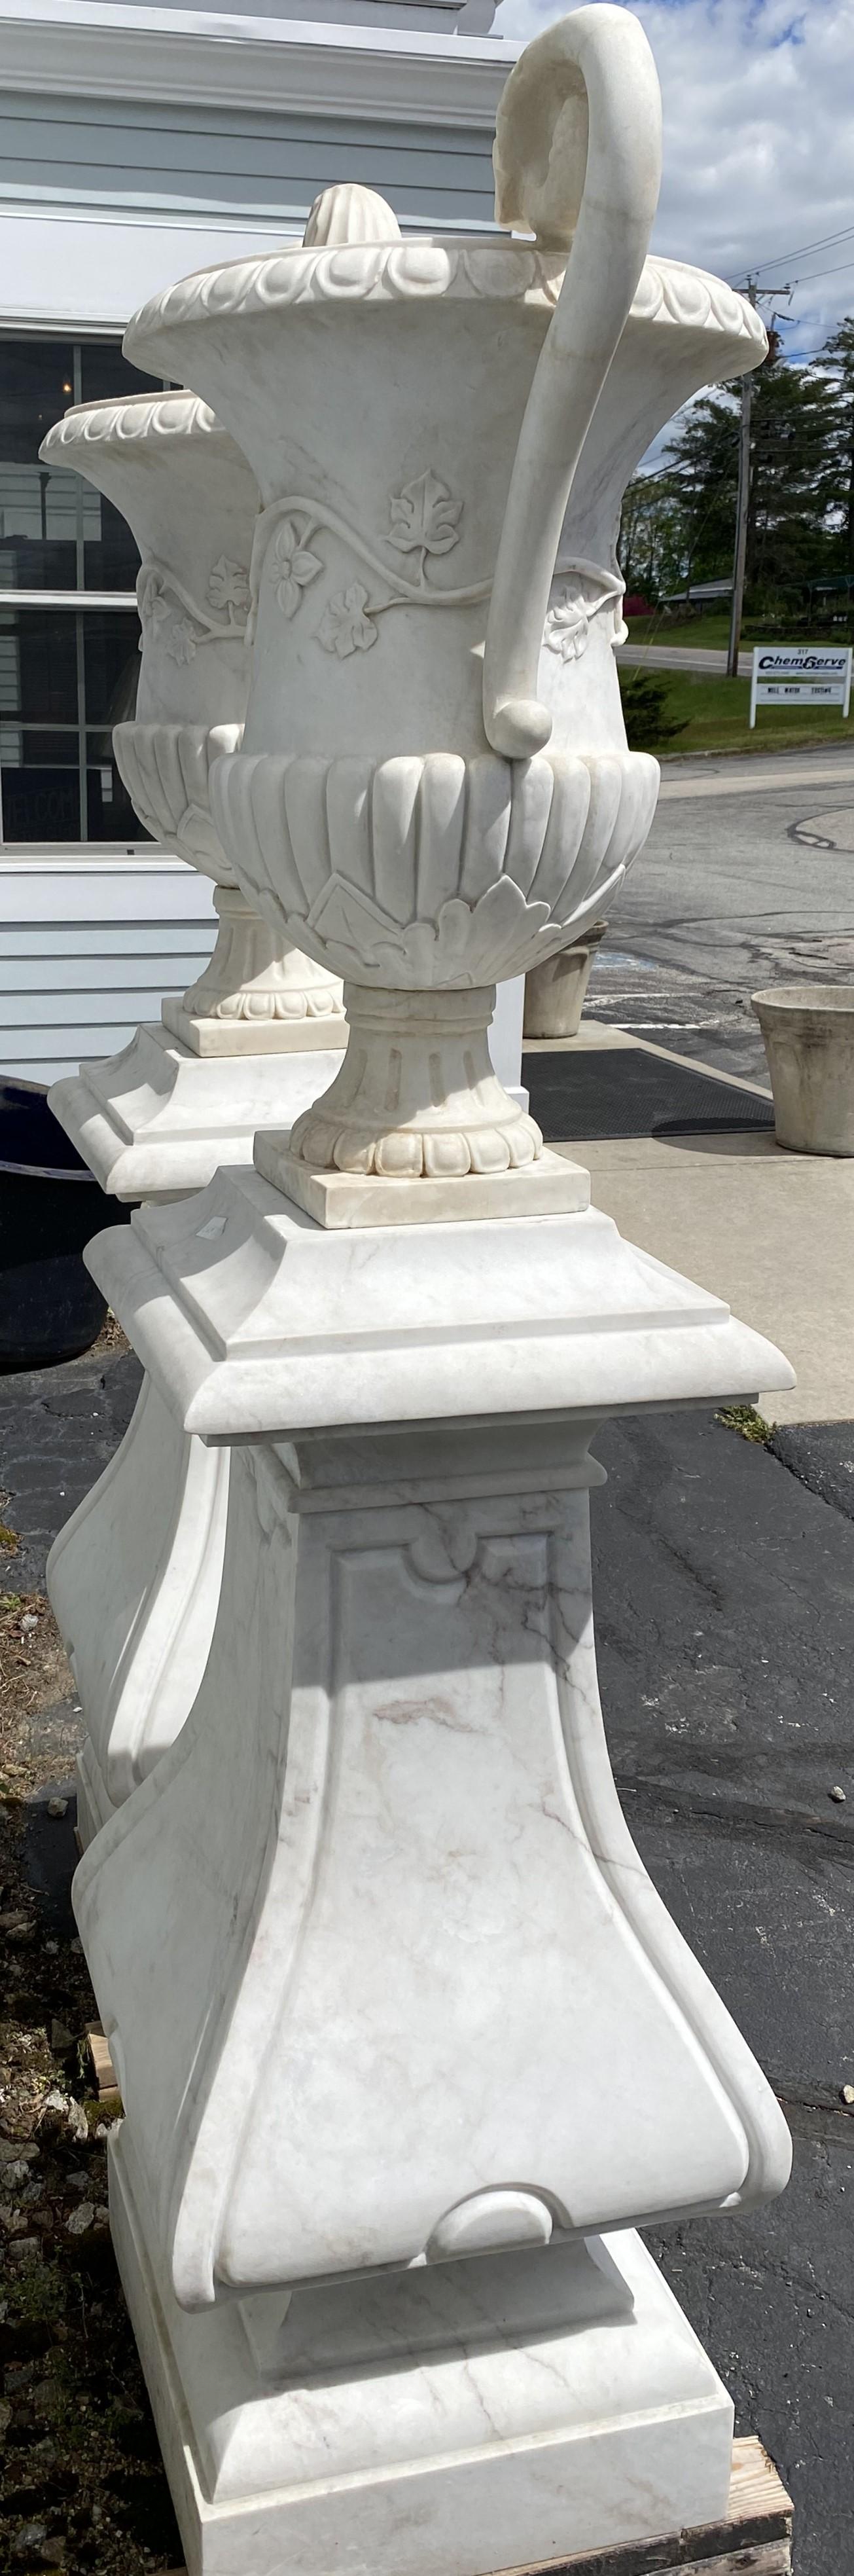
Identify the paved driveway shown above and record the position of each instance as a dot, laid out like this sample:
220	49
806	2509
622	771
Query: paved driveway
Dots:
747	879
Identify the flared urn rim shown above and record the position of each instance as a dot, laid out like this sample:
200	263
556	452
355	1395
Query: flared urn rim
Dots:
423	268
123	421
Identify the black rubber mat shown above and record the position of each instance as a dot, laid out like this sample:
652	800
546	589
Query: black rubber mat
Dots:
621	1091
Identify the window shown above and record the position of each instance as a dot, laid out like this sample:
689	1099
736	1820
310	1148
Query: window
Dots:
69	632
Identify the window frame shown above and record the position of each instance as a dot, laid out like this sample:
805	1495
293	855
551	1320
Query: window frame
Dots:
76	602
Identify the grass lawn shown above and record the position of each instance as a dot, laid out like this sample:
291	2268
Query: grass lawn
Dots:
712	632
658	629
714	714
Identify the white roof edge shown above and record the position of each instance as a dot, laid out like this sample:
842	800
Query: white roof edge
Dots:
103	49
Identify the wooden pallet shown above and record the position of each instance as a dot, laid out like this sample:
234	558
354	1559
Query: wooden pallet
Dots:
755	2539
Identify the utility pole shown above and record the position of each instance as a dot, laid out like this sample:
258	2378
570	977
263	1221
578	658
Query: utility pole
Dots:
756	295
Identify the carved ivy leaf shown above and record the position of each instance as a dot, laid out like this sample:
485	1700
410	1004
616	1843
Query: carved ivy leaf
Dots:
424	517
228	584
344	627
181	639
567	628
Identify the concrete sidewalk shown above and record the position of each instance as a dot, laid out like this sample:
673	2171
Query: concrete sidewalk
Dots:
771	1232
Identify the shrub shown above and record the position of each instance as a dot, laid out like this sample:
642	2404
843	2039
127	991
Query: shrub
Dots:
645	710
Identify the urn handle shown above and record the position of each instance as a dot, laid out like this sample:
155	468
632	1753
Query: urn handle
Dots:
577	159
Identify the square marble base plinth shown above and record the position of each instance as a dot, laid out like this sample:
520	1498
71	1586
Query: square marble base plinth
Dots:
550	1187
571	2408
156	1121
253	1037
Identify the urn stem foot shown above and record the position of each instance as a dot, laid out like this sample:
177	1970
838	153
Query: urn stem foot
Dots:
416	1096
255	996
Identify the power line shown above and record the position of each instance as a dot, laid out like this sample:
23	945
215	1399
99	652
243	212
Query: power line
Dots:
844	265
828	242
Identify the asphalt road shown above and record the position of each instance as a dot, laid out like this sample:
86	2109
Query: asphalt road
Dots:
747	879
710	658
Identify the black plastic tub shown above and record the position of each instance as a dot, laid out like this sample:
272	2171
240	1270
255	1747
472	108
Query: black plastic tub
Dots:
50	1206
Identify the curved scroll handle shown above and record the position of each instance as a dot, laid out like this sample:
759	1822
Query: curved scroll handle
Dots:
577	148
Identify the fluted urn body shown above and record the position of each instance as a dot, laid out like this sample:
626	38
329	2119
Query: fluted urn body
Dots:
433	788
191	499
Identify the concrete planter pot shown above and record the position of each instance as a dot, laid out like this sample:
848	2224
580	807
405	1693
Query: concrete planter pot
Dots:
555	992
808	1031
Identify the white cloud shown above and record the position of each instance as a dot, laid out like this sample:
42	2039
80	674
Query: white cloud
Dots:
759	141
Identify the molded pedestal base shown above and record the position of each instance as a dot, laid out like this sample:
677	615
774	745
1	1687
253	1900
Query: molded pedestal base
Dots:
518	2409
156	1121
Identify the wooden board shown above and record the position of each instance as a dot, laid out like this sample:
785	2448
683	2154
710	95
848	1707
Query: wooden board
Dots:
755	2539
102	2066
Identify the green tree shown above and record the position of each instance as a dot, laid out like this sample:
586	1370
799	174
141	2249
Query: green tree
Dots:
838	357
652	535
793	482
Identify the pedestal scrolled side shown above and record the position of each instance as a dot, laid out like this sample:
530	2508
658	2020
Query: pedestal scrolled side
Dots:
405	1621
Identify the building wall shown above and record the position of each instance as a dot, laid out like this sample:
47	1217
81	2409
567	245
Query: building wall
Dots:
90	944
130	154
100	156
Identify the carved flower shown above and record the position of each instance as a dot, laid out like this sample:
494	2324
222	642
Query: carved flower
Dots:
292	568
228	584
567	628
424	517
181	640
344	627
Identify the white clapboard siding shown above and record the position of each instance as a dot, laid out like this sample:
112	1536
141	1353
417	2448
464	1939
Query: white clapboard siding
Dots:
104	155
89	945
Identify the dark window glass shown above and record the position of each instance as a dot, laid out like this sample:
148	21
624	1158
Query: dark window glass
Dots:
38	665
41	802
28	746
111	664
38	508
110	813
104	371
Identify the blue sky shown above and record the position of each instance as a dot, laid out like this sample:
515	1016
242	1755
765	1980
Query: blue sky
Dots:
759	143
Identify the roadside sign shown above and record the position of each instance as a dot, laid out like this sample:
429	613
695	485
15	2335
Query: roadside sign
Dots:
812	675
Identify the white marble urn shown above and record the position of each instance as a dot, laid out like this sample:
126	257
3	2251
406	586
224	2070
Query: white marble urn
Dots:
191	499
434	788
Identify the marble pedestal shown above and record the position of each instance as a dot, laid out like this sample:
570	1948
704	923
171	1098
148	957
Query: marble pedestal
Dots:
134	1576
134	1584
372	1936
